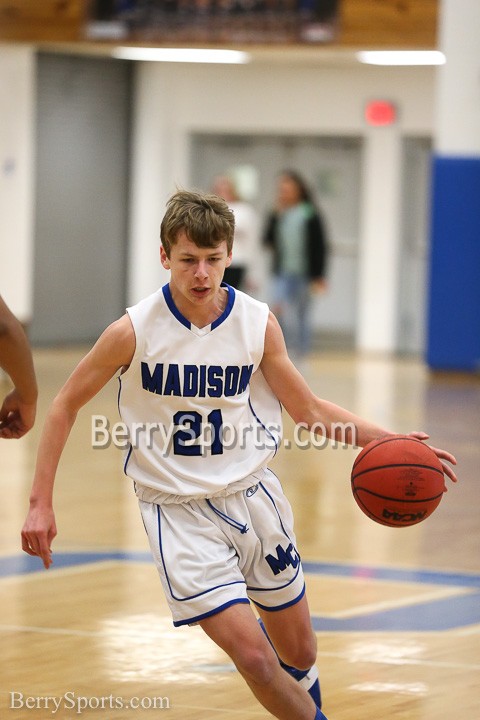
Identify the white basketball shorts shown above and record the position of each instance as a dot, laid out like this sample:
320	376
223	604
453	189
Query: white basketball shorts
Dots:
211	554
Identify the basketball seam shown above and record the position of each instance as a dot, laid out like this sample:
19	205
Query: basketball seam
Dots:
400	500
395	465
383	441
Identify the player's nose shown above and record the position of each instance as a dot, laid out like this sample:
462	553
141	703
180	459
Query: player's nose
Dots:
201	269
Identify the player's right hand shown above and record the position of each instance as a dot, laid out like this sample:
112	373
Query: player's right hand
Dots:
38	533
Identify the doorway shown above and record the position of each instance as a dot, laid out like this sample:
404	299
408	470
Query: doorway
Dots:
412	297
332	167
81	197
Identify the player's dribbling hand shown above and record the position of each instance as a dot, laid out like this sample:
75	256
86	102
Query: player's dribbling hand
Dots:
443	455
38	533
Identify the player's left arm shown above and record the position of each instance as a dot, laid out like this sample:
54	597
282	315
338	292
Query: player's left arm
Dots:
317	414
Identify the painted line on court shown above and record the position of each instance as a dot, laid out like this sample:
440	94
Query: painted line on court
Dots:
417	598
438	614
22	564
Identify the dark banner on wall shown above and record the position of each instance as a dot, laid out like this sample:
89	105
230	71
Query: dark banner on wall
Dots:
214	21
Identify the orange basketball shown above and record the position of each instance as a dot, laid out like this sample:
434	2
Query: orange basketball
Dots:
397	481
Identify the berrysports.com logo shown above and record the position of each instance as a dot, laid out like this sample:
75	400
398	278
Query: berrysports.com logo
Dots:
191	435
80	703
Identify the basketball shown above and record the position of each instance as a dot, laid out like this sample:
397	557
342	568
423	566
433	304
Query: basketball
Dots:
397	481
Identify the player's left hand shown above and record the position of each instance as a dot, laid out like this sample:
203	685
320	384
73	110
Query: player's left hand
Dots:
443	455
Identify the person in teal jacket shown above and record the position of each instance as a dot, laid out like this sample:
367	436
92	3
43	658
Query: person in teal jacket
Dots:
296	234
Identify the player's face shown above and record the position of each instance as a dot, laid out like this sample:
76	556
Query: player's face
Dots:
196	273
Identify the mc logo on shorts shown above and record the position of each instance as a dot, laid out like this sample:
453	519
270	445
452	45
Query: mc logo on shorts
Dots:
284	559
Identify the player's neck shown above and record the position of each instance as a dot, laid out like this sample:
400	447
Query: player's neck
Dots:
204	314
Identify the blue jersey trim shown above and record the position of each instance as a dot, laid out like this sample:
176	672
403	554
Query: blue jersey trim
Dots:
131	446
300	566
228	306
263	426
189	597
275	506
281	607
190	621
173	308
127	459
119	392
278	587
167	294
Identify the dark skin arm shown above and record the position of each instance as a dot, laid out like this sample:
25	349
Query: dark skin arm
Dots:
17	412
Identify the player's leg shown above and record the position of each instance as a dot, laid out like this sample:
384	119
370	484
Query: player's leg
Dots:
276	584
291	634
290	631
238	633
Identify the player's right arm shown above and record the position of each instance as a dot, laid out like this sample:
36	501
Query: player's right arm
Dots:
112	351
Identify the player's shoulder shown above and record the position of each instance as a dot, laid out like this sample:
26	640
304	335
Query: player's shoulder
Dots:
248	301
147	302
148	310
118	331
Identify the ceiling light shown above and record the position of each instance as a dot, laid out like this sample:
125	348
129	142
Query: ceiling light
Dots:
190	55
401	57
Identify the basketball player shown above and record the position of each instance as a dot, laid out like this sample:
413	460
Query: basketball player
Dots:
17	412
196	356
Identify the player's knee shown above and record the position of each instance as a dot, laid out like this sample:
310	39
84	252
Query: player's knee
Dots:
303	654
257	665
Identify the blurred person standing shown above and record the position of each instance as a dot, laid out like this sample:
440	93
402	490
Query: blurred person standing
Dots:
18	408
295	232
246	239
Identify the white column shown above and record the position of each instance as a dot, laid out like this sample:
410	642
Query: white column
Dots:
457	129
379	240
17	173
151	183
454	302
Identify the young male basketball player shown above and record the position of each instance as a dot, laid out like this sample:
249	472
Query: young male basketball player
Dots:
198	357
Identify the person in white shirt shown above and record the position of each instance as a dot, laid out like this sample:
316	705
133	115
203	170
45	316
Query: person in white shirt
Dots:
246	237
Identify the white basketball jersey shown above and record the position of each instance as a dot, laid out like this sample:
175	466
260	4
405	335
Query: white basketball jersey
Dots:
199	411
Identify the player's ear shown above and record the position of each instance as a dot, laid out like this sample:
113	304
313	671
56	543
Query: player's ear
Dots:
164	259
229	259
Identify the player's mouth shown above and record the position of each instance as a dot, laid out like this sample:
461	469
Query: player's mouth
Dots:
200	291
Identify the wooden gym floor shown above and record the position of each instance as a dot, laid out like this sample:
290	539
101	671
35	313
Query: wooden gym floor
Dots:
397	612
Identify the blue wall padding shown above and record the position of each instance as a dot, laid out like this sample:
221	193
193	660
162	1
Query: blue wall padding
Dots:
453	341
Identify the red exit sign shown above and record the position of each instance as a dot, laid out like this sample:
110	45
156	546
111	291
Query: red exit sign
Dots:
380	112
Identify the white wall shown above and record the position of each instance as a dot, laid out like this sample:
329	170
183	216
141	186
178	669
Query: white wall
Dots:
175	100
17	108
458	89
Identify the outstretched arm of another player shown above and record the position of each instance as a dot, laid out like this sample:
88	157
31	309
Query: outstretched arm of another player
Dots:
113	350
17	411
305	407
